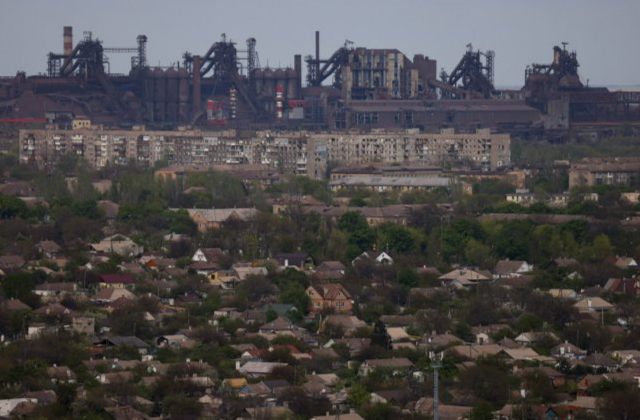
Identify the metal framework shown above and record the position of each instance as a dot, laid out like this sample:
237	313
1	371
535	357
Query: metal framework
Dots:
471	74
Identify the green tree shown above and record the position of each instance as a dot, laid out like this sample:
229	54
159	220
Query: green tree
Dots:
600	249
620	405
360	234
477	253
395	238
11	207
408	277
482	410
296	295
379	337
358	396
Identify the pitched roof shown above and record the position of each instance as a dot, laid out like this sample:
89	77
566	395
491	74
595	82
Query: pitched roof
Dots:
504	267
464	274
116	278
11	262
14	305
597	359
222	215
348	322
49	246
395	362
212	254
277	324
331	266
593	303
331	291
113	293
129	341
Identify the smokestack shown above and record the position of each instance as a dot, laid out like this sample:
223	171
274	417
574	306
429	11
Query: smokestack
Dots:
317	45
196	85
297	67
67	42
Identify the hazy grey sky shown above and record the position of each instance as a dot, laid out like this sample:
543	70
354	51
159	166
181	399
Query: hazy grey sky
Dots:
605	33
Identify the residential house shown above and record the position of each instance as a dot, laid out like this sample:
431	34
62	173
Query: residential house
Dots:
118	281
355	345
593	304
626	263
54	291
214	218
55	310
509	268
563	293
567	350
530	338
210	255
627	357
397	397
114	378
48	248
61	374
83	324
276	326
14	305
348	323
439	341
625	286
122	341
118	244
600	361
112	294
10	264
376	257
225	279
397	334
294	259
175	341
464	278
330	295
330	270
349	416
245	270
395	364
483	333
257	369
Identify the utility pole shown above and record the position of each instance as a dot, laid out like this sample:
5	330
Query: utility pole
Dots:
436	364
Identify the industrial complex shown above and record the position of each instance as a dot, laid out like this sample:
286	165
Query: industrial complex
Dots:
355	88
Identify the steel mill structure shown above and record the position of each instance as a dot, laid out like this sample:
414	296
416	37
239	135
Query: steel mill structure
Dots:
355	88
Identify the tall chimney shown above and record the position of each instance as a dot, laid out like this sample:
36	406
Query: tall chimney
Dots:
67	42
317	53
297	67
196	85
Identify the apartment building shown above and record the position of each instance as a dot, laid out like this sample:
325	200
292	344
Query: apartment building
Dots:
481	149
298	153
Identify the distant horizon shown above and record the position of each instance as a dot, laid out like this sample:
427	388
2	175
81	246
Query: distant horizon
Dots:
520	32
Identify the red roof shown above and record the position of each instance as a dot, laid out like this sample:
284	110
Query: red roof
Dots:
116	278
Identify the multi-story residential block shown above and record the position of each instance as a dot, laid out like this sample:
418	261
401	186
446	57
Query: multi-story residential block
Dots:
481	149
298	153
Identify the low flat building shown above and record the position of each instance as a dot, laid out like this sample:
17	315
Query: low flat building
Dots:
605	171
395	183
